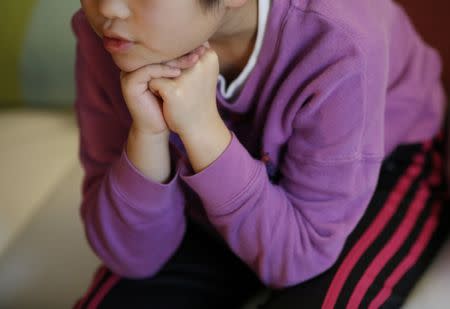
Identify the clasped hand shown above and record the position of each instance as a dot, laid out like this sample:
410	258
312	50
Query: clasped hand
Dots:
178	95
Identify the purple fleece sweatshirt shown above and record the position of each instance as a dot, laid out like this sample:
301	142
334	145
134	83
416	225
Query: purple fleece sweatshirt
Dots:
337	85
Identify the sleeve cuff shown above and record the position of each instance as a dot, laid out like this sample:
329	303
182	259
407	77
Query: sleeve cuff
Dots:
138	189
226	179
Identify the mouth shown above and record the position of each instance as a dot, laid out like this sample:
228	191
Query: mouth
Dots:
116	44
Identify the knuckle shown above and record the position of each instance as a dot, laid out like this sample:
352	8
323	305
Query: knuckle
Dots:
150	71
152	83
163	69
213	55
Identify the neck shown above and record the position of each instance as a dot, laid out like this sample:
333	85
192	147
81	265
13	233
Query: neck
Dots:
235	39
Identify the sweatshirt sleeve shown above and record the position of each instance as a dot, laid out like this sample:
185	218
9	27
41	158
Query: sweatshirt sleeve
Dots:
132	223
294	229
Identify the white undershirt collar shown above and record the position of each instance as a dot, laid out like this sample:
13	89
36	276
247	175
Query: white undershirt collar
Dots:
236	85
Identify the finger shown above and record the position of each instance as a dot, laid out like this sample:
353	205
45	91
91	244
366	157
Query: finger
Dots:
143	75
160	86
187	60
136	82
184	62
201	50
198	50
208	54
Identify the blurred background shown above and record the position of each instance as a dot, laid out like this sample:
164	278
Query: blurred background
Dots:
45	261
37	53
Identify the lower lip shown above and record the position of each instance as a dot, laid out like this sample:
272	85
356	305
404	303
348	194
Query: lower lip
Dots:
116	45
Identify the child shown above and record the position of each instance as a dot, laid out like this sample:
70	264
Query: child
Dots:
233	146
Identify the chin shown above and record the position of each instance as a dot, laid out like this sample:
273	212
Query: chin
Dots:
129	62
126	64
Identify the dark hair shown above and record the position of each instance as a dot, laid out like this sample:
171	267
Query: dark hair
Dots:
209	4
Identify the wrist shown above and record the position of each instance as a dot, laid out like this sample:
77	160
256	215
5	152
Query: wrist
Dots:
205	144
200	128
157	138
150	154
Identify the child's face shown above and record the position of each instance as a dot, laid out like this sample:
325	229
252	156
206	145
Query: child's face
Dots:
161	30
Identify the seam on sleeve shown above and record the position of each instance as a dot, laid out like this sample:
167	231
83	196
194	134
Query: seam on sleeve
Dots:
355	158
351	39
253	179
126	200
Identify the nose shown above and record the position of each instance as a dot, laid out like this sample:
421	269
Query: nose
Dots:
112	9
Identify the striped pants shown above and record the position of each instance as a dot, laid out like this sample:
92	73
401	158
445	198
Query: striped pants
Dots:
403	227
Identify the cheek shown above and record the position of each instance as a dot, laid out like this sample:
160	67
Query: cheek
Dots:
160	46
127	64
90	10
88	7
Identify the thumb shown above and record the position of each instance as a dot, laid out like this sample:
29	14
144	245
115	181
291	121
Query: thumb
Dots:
160	87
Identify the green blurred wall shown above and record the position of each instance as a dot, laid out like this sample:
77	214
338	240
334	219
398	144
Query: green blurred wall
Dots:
37	54
12	32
